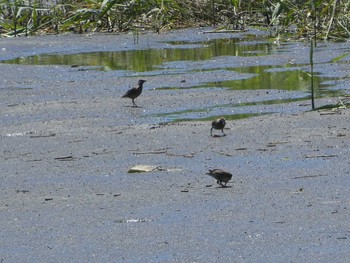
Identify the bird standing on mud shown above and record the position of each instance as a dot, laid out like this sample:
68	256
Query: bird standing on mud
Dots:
218	124
221	176
134	92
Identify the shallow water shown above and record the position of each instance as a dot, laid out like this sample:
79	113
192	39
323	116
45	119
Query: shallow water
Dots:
150	59
182	57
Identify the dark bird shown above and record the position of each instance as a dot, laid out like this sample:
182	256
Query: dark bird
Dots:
221	176
218	124
134	92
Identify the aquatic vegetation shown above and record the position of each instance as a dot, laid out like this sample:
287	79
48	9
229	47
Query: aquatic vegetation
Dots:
312	18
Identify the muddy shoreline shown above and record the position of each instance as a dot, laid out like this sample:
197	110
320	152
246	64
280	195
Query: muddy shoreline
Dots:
68	140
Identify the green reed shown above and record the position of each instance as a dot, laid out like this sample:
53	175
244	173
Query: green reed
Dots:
323	19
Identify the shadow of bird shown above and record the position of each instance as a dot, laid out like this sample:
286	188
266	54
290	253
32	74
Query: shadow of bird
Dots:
134	92
221	176
218	124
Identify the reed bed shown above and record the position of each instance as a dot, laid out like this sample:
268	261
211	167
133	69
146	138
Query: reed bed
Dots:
328	19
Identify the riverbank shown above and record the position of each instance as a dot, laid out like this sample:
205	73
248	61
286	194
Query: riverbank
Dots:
68	141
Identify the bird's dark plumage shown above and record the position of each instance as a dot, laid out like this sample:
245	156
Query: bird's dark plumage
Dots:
221	176
218	124
134	92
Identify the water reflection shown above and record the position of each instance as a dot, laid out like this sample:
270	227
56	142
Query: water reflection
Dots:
150	59
183	57
264	79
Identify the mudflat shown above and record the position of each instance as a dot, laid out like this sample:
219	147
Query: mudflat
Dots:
68	140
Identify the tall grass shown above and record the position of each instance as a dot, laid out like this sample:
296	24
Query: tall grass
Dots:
304	18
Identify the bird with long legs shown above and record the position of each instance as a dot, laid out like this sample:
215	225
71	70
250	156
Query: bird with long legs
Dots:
134	92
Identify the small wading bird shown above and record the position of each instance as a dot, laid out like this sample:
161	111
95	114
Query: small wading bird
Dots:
221	176
134	92
218	124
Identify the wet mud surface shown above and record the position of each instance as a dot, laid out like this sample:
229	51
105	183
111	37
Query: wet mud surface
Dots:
68	140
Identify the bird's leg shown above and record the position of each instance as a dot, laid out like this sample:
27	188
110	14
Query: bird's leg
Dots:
220	183
134	104
223	131
211	132
223	185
